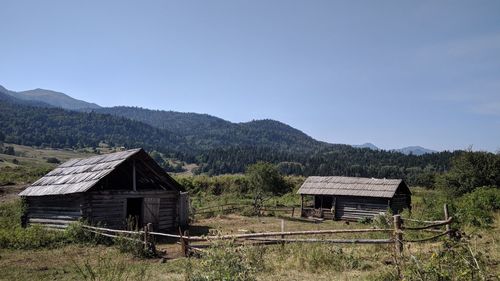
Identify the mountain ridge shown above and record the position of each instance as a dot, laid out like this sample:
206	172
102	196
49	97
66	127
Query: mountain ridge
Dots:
50	97
220	151
407	150
203	130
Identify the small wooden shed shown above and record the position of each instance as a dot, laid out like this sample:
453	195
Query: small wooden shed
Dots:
352	198
111	190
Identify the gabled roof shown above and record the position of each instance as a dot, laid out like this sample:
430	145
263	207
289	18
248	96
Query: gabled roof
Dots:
81	174
350	186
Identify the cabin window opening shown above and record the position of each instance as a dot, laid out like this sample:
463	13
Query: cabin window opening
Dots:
134	213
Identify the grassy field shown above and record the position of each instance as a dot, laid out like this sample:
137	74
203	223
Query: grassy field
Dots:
91	261
291	262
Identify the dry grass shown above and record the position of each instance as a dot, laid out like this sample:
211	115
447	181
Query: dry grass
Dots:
293	262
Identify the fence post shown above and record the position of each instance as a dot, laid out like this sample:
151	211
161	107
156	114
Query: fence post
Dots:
446	217
151	239
293	211
186	243
146	236
398	234
282	230
182	242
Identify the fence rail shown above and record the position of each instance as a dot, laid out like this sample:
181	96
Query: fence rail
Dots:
229	207
396	235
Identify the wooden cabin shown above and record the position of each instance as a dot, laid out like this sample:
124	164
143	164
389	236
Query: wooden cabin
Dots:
351	198
113	190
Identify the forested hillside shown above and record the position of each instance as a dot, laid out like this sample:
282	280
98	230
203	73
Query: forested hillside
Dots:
58	128
216	145
208	132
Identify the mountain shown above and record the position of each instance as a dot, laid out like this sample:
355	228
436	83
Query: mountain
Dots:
415	150
366	145
52	98
217	146
199	130
9	96
209	132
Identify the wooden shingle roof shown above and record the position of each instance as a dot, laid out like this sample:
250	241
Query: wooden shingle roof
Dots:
79	175
350	186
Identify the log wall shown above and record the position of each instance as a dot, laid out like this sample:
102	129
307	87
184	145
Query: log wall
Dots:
53	211
354	208
109	208
104	208
399	202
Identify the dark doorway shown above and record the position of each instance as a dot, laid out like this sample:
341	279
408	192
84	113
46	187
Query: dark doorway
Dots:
323	201
134	213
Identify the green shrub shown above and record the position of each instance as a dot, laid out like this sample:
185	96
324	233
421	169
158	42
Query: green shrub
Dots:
383	220
477	207
53	160
131	243
12	235
225	262
452	261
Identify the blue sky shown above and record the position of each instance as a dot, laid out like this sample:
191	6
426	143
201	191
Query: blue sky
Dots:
395	73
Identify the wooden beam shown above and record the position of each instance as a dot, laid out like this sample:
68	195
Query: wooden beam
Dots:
134	179
334	207
301	205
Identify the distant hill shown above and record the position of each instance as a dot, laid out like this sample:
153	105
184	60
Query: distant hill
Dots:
52	98
415	150
366	145
9	96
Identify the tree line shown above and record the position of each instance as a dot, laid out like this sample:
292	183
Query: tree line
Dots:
293	152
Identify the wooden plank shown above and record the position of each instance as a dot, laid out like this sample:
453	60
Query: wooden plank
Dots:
50	221
59	226
327	241
53	217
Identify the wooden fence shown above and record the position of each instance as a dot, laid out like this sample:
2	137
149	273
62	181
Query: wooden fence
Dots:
231	207
396	235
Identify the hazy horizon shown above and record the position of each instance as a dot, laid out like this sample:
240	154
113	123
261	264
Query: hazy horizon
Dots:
393	74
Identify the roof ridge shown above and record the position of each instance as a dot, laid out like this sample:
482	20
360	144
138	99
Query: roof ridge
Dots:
102	155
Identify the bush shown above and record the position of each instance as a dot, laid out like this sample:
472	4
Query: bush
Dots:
131	244
13	236
452	261
477	207
53	160
471	170
224	261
